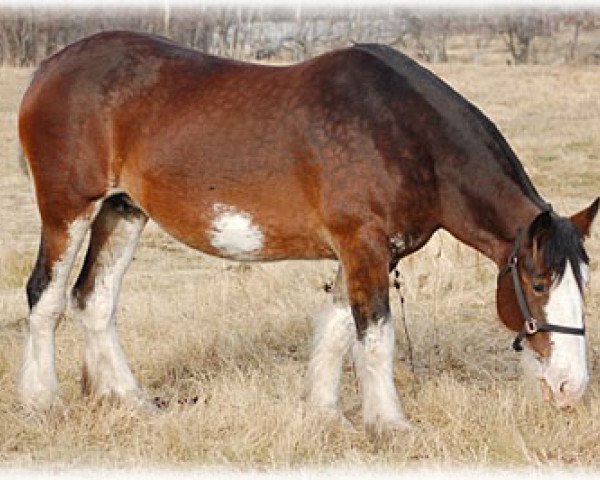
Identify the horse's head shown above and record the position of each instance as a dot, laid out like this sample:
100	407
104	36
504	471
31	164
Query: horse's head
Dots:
540	295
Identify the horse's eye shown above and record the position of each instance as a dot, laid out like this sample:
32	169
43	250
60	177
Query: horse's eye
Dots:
539	287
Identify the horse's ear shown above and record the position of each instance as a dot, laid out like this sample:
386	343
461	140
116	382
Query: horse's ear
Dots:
540	225
583	220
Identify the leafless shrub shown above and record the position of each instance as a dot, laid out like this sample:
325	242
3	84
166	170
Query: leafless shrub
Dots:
293	34
518	31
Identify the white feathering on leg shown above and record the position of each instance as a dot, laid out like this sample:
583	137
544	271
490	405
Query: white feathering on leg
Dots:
106	371
38	383
333	333
373	358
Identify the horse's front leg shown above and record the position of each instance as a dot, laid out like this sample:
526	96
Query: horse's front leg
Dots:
334	332
366	261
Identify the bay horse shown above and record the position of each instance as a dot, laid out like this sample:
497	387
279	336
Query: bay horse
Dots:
358	155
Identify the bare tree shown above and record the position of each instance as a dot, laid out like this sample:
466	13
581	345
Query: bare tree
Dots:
426	34
518	31
18	37
298	32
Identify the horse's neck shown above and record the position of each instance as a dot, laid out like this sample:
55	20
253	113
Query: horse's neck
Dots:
488	218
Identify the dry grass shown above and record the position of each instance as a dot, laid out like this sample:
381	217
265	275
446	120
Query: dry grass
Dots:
238	336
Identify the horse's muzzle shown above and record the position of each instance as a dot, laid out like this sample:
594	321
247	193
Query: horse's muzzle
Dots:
567	392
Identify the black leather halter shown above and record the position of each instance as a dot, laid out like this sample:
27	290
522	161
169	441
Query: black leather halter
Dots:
530	325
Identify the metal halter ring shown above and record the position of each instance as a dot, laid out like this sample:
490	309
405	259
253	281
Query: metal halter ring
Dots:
531	326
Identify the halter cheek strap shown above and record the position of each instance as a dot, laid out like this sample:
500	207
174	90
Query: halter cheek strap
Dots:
530	325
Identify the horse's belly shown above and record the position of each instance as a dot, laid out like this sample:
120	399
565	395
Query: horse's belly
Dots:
237	234
235	197
239	227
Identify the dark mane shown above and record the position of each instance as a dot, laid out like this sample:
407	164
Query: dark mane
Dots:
563	242
407	67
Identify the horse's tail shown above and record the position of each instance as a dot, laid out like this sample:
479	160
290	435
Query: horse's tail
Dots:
23	163
24	166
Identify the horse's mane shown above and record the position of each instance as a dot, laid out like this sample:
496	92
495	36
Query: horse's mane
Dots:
563	242
407	67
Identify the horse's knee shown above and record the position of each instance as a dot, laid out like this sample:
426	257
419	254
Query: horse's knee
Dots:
367	281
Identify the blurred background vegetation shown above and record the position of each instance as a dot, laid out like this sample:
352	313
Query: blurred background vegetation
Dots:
286	34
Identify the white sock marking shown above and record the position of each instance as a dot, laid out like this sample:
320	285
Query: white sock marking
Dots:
38	384
373	358
106	364
333	333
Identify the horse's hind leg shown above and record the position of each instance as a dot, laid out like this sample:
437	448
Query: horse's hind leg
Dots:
334	331
46	294
114	236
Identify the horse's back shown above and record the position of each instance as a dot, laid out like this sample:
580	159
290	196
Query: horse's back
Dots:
89	108
193	138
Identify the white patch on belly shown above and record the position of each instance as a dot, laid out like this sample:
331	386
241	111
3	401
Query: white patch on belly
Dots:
234	234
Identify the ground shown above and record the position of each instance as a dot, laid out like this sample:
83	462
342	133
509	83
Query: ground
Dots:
238	335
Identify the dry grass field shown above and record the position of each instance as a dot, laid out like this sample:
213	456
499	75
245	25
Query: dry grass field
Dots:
238	336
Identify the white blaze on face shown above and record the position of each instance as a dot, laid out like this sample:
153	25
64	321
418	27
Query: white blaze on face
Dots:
566	370
234	234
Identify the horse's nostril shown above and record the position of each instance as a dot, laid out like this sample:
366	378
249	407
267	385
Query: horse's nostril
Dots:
563	386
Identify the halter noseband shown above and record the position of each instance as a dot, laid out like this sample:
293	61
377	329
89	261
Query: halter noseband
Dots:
530	325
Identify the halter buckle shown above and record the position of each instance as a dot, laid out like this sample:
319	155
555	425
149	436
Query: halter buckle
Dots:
531	326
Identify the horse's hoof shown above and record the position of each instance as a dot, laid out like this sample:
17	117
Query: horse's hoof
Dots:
341	419
42	402
138	401
390	428
335	416
133	400
50	409
346	424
